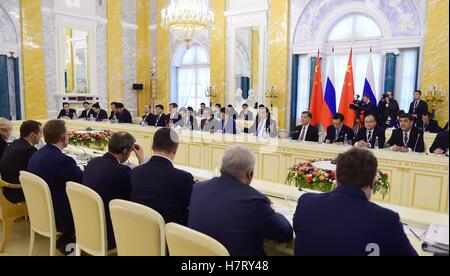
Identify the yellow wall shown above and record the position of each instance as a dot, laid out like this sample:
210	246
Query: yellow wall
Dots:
255	59
33	60
162	51
218	50
435	58
279	54
143	54
114	51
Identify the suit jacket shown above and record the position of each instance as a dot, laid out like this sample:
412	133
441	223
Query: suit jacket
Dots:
370	108
441	142
156	121
312	135
149	118
432	126
176	118
101	116
255	127
248	117
160	186
71	114
421	109
387	110
111	180
415	142
125	117
85	114
192	124
15	159
229	127
344	222
3	146
56	168
111	116
377	132
331	134
236	215
212	125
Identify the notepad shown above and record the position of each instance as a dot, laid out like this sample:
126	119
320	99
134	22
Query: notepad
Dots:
436	240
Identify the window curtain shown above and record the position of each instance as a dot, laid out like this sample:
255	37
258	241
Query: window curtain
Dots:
407	73
245	86
10	107
303	86
192	83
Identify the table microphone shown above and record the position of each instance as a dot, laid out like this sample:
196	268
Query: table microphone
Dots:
417	141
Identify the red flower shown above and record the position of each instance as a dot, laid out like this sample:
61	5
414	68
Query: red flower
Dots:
309	179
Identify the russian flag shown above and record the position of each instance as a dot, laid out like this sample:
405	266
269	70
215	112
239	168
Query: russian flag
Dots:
329	108
369	83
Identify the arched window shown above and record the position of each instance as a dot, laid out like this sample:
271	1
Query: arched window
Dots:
355	27
193	77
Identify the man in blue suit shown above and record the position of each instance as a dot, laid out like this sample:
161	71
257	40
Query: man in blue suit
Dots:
159	185
109	177
229	210
56	168
345	222
227	123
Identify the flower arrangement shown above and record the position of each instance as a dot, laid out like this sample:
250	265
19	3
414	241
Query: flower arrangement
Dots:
90	139
305	176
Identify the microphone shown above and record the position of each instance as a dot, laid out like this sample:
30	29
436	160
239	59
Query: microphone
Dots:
417	141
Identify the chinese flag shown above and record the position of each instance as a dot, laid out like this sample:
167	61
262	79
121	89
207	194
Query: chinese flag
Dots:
348	95
317	101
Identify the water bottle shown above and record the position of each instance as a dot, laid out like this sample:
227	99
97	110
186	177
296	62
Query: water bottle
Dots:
74	117
377	143
320	138
346	140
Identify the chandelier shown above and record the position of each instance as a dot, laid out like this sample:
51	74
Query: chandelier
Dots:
187	16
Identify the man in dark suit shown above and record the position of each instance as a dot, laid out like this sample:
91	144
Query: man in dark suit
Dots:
345	222
67	112
337	132
109	178
388	109
306	131
440	144
148	115
418	107
369	107
17	156
246	115
229	210
227	124
426	124
371	134
113	111
159	185
160	119
87	112
174	116
408	138
201	110
5	133
99	114
209	124
264	124
123	115
56	169
187	120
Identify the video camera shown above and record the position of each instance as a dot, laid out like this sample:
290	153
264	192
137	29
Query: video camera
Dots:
357	104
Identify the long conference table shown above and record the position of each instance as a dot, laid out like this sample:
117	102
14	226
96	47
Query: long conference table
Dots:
418	181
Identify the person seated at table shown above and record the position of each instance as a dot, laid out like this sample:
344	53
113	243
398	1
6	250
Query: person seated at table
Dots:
201	110
395	123
426	124
87	112
113	111
408	138
337	132
67	112
56	169
174	116
100	115
217	109
191	111
367	136
233	113
5	134
16	157
209	124
148	115
160	119
159	185
187	120
345	222
123	115
108	176
440	144
306	131
264	124
229	210
246	115
227	123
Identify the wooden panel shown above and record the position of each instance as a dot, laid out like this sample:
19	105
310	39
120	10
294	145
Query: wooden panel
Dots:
270	167
427	191
181	155
195	156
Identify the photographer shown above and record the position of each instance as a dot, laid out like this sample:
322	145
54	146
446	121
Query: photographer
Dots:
388	108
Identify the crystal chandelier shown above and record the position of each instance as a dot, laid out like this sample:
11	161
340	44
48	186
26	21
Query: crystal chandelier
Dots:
187	16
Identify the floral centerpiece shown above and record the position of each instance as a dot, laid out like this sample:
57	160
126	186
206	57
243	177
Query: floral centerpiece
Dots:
90	138
306	176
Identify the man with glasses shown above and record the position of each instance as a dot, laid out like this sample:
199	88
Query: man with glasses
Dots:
368	136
